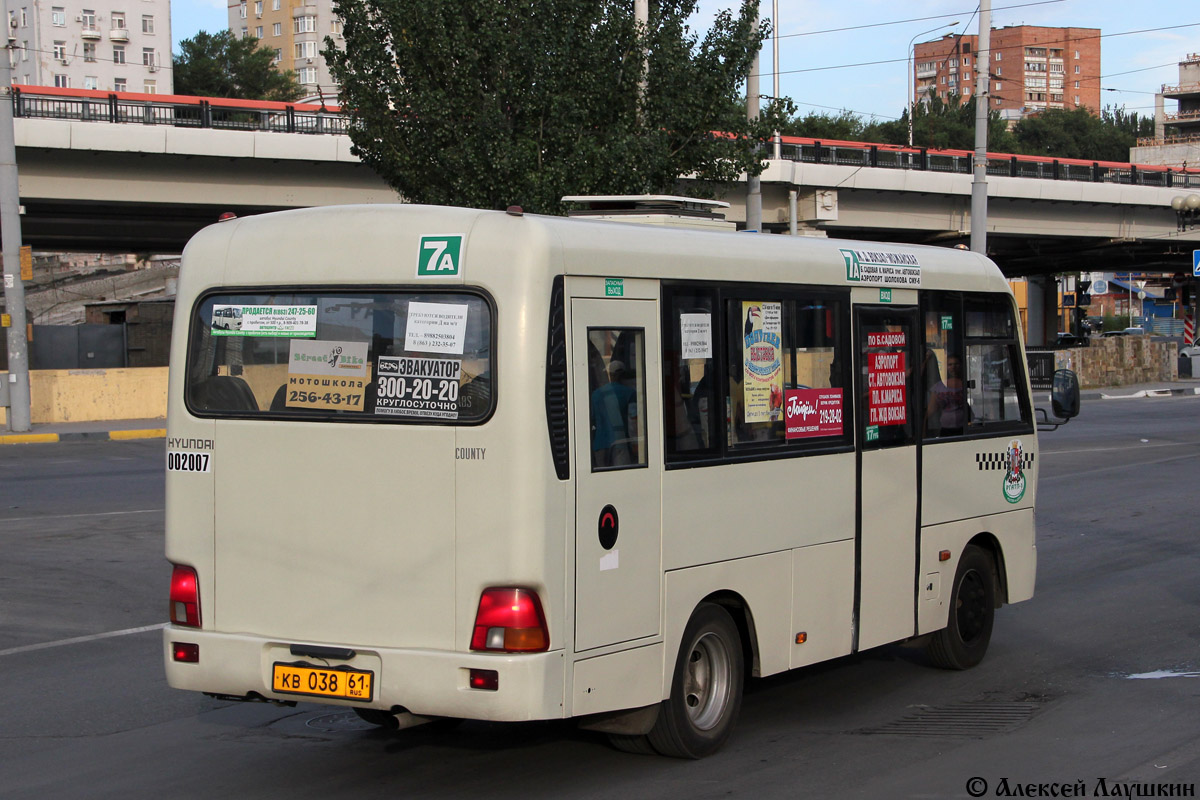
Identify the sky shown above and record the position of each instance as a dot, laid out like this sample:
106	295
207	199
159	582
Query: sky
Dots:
813	55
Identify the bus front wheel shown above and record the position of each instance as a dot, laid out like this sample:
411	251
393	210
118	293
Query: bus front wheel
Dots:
706	689
964	641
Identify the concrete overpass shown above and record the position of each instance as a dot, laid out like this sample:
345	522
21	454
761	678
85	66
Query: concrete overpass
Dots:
97	187
1092	217
142	173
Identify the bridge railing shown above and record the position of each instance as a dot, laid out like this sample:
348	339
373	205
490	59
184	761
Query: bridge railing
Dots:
181	111
865	154
45	102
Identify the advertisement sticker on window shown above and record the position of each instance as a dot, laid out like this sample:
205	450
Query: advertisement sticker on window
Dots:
327	375
762	380
293	321
417	387
436	328
809	413
887	400
695	332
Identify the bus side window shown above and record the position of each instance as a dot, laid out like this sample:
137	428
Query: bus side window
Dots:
689	372
996	395
943	379
617	390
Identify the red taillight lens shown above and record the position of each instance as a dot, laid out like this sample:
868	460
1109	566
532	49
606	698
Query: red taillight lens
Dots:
185	597
510	621
486	679
186	652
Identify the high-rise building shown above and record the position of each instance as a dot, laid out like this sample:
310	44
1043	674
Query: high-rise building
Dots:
1032	69
123	46
1184	124
295	31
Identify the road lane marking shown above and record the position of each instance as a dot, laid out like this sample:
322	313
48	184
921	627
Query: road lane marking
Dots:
1046	452
1159	674
1130	465
81	639
76	516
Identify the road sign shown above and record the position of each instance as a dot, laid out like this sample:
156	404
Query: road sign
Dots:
1196	263
1100	287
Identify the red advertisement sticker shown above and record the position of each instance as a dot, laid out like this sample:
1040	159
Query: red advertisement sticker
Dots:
813	412
887	401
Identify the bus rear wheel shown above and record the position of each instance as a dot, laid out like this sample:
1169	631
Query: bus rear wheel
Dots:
706	689
964	641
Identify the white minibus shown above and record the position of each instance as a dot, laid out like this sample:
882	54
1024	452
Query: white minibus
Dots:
462	464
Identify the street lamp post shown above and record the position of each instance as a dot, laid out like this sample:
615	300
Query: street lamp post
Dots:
911	80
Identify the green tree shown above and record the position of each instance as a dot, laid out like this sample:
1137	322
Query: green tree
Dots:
1078	133
845	126
497	102
950	125
219	65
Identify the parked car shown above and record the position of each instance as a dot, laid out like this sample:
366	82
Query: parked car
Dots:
1189	351
1071	340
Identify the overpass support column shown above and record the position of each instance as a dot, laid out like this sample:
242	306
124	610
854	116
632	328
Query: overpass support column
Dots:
1042	313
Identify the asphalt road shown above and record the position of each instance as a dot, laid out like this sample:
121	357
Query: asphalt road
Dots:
1098	677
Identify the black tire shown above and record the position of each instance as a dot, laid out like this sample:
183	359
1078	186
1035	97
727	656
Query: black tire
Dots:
638	745
706	689
964	641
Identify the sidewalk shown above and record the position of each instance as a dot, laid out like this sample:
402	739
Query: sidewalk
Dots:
1159	389
79	431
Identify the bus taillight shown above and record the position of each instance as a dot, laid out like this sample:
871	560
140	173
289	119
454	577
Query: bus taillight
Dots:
510	621
185	597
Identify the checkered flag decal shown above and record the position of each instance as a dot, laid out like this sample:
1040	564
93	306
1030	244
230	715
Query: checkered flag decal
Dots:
989	461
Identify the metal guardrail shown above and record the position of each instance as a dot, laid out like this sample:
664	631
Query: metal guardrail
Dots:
181	112
856	154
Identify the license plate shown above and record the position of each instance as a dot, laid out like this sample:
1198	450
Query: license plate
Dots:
351	684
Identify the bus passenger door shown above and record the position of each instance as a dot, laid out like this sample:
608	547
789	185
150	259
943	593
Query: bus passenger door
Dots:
616	383
886	373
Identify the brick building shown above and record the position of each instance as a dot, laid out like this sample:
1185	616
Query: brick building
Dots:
1032	69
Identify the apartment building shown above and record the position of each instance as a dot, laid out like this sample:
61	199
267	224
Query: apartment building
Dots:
122	46
1032	69
1184	124
295	31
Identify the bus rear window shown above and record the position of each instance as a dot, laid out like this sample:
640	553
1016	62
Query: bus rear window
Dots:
340	355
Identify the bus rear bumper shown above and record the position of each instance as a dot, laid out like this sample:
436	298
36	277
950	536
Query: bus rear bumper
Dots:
425	682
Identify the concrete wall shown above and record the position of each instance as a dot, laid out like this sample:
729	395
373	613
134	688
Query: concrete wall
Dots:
89	395
1121	361
1169	155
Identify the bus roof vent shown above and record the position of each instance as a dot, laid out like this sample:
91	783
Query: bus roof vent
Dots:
653	209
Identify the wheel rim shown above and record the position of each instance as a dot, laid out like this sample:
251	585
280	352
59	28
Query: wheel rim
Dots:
707	681
972	607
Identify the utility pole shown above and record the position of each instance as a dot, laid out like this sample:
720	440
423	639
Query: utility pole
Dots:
983	65
778	148
754	184
641	15
10	232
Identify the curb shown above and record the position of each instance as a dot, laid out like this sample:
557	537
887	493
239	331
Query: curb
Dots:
1151	393
41	438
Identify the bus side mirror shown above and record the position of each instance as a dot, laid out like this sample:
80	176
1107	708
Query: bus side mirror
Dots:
1064	399
1064	394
